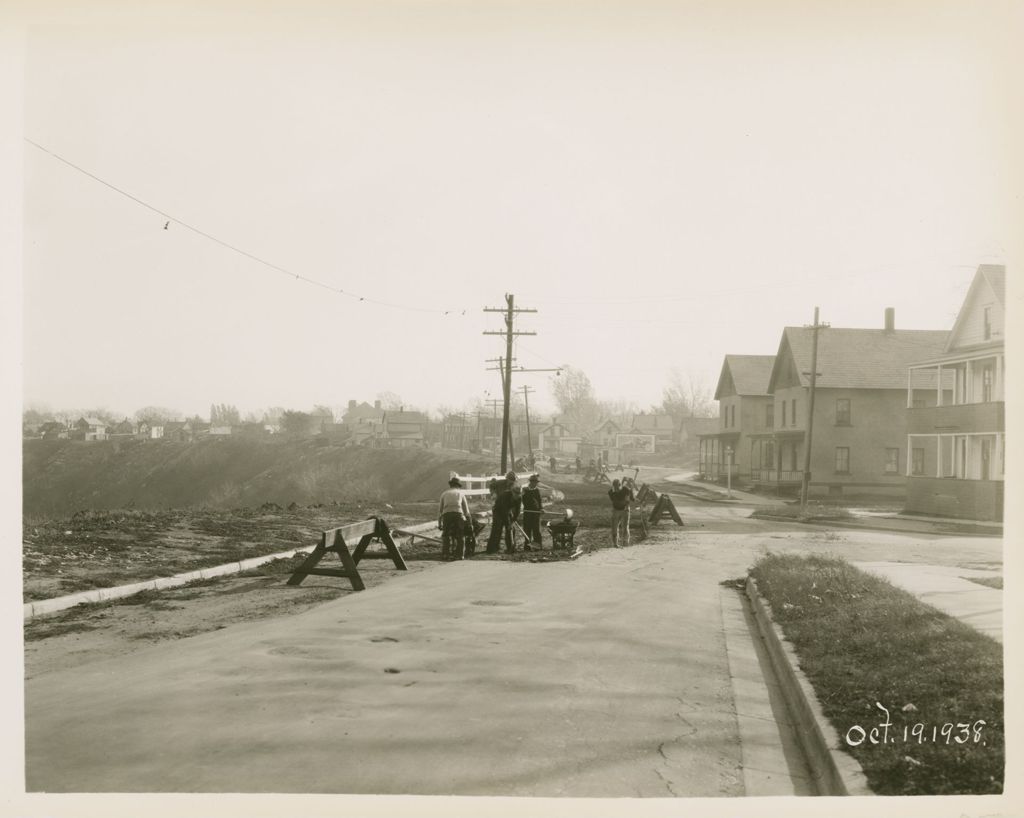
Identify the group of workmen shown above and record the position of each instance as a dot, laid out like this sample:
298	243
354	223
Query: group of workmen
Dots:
514	507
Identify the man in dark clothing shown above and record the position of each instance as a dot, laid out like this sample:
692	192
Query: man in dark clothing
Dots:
533	507
579	465
507	505
621	496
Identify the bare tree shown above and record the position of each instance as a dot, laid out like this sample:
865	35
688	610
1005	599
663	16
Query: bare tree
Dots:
574	396
390	401
689	397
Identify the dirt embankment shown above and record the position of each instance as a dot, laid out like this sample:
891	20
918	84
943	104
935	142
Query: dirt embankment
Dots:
61	477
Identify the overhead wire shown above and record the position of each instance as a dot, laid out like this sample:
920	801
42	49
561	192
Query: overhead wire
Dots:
455	311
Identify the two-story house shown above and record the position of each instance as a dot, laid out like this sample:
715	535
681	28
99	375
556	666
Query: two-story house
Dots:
859	429
402	429
90	428
746	421
956	434
555	438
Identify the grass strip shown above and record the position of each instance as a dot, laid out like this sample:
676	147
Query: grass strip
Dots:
813	513
866	645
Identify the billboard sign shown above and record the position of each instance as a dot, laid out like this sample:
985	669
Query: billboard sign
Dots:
635	443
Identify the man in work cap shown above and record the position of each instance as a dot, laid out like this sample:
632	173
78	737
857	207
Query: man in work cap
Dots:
533	507
452	514
506	509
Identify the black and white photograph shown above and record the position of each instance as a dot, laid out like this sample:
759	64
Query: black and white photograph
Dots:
434	407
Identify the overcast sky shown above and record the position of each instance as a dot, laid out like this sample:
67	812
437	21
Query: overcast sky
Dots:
665	183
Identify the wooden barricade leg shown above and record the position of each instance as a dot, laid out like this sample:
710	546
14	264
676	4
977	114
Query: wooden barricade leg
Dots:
338	546
382	533
309	563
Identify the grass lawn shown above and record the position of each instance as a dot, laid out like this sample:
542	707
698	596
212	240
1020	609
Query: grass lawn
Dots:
815	511
863	643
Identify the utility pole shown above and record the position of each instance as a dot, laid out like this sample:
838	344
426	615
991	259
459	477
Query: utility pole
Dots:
529	436
509	332
806	477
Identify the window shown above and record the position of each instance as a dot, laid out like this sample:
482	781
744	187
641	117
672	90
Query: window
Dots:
917	461
769	415
792	458
768	455
986	384
793	411
783	413
842	412
732	413
987	318
842	459
892	461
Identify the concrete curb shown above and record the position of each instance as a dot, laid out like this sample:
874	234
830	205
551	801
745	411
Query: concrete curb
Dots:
874	527
834	772
48	606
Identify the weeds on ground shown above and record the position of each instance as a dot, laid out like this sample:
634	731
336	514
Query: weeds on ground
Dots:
866	645
988	582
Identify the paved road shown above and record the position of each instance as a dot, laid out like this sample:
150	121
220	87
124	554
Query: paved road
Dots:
607	676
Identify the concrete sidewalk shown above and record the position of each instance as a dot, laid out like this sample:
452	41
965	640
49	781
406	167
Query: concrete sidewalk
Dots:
608	676
946	588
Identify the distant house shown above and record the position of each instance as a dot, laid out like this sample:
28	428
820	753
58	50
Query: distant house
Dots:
458	431
90	428
746	419
121	430
179	431
403	429
364	422
860	424
957	437
655	423
220	430
604	435
556	439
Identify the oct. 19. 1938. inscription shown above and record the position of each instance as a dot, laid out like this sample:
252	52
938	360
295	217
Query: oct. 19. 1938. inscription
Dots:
885	732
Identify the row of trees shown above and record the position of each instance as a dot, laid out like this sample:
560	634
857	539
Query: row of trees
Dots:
578	404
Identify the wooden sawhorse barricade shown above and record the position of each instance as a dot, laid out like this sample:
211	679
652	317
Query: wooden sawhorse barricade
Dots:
337	540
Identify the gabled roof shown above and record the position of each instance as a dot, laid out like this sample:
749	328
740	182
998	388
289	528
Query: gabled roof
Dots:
606	423
750	374
856	358
93	421
653	421
994	275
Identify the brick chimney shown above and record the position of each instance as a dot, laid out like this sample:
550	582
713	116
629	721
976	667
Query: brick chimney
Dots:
890	319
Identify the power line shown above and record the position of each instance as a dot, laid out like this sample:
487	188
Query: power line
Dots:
210	237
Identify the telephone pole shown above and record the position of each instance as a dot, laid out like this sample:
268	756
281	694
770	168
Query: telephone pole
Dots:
806	476
511	311
529	436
